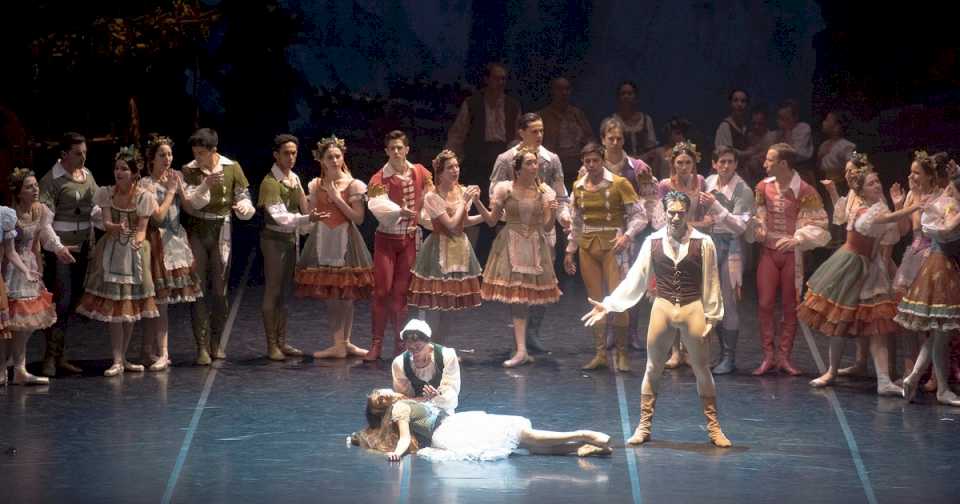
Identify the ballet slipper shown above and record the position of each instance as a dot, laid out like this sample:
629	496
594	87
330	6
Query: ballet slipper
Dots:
825	380
22	377
858	369
948	398
517	360
114	370
160	364
133	368
335	351
589	450
910	385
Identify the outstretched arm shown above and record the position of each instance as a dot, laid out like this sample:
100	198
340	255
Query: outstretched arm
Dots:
403	444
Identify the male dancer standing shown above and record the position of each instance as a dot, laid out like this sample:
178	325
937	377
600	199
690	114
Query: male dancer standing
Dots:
396	197
285	204
683	262
790	219
215	187
68	191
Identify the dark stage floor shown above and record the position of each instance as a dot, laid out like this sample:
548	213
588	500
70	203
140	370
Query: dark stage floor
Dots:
251	430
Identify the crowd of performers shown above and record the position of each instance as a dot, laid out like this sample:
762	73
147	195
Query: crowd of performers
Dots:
682	242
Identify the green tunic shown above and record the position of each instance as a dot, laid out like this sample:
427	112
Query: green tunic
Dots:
272	191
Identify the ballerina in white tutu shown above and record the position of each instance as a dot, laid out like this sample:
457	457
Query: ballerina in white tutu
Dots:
398	425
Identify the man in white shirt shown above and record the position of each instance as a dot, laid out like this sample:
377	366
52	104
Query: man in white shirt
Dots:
426	371
684	263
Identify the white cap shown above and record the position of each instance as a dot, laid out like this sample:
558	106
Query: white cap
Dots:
415	325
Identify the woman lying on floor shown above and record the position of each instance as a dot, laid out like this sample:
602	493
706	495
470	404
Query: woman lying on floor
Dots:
398	425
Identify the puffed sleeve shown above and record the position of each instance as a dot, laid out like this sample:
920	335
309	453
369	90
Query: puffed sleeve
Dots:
8	223
146	204
102	198
356	190
812	228
48	237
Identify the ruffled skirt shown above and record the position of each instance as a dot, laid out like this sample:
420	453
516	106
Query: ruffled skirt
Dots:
352	280
476	436
31	314
843	298
913	257
179	285
501	282
432	289
118	302
933	301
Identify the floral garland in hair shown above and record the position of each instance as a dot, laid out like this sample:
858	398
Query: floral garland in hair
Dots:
330	140
18	175
859	158
130	154
157	141
685	147
445	154
921	156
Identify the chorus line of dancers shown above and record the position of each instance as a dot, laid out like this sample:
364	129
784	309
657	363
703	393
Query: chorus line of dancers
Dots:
166	239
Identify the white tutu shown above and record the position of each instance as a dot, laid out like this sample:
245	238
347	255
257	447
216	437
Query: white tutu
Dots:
475	435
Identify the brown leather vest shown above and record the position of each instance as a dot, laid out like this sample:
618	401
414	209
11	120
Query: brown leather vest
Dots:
682	283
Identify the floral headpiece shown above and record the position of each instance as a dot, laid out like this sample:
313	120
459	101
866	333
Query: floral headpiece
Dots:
859	158
157	141
131	155
921	156
685	147
17	177
332	141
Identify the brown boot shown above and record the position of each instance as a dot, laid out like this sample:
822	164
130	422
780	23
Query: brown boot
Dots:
713	426
273	349
642	434
203	347
287	350
600	345
623	361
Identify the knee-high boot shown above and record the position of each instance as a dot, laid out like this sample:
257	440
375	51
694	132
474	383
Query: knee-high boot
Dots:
203	346
600	346
728	345
642	433
288	350
713	425
621	335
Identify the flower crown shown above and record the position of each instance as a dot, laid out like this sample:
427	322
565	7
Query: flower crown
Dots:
17	176
685	147
859	159
921	156
157	141
130	155
330	140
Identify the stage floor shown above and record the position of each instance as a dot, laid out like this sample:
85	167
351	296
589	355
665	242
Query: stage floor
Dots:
252	430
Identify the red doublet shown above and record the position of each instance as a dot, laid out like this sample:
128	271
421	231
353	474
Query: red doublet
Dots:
395	251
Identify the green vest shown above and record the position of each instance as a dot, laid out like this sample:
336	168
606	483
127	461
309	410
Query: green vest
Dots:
272	191
221	195
70	201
